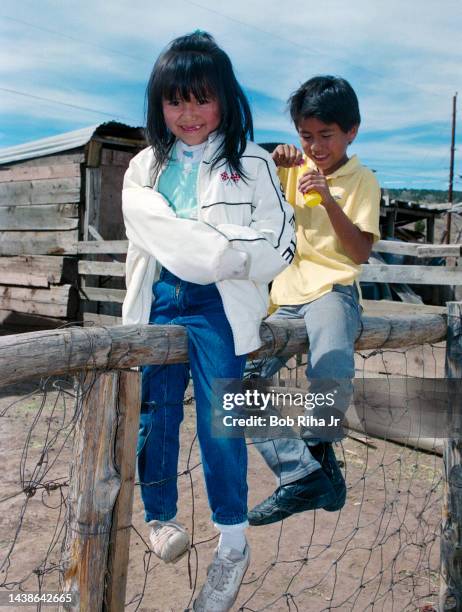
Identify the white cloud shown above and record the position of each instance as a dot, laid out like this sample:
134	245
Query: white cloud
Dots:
403	58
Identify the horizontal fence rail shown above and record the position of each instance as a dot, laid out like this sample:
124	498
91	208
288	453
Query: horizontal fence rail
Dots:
61	351
395	247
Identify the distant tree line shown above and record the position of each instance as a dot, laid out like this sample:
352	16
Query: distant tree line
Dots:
422	195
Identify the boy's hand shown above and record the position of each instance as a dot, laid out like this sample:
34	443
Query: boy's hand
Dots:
287	156
313	181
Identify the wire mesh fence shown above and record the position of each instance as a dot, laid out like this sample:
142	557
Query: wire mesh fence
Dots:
380	552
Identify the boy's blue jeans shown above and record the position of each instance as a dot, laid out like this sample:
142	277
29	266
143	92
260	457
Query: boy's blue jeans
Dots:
333	323
211	355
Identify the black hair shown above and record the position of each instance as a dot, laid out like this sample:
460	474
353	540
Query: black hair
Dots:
327	98
195	64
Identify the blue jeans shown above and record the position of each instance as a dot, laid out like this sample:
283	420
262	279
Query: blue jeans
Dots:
332	323
211	355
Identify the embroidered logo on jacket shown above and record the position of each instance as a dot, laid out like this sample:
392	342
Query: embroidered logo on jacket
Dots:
233	177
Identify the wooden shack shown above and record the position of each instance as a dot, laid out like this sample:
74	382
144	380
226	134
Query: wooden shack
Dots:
55	192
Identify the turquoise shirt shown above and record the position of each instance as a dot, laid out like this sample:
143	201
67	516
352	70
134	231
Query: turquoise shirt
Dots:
178	183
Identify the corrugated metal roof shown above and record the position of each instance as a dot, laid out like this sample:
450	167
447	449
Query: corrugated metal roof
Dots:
67	141
47	146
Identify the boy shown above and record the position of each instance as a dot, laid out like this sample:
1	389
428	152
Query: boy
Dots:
320	286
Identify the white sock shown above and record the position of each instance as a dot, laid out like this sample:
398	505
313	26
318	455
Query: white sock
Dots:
232	536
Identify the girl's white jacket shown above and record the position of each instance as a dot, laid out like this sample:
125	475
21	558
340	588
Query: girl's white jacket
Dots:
242	239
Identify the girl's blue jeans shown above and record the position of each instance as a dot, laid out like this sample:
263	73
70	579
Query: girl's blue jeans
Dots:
211	355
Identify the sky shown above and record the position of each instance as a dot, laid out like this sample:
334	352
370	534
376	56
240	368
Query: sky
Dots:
66	65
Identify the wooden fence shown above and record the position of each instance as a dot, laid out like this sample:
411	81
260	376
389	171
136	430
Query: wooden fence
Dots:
85	281
373	272
103	470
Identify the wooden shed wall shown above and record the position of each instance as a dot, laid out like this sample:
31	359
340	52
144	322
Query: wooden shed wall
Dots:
39	205
40	217
104	214
113	166
47	205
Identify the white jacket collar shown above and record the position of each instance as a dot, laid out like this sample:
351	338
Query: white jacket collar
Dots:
214	142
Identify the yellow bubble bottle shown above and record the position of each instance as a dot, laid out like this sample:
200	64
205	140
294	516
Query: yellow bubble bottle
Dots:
312	198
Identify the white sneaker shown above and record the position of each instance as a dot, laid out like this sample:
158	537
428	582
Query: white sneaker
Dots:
224	578
169	540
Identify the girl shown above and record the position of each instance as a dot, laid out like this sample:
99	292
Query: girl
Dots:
208	230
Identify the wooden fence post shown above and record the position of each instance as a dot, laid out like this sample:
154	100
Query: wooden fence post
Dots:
101	492
450	598
125	454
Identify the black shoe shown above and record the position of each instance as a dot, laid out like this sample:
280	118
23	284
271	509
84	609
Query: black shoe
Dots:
325	455
312	491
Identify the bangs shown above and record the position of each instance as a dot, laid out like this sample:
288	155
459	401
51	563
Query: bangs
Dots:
189	73
194	66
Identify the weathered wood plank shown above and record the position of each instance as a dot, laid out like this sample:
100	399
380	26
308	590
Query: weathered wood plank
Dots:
414	275
128	412
398	248
110	214
45	217
102	268
98	294
431	445
382	246
100	247
92	199
450	596
36	173
439	250
46	191
38	243
94	486
112	157
58	301
22	278
93	153
56	159
38	270
387	307
417	249
57	352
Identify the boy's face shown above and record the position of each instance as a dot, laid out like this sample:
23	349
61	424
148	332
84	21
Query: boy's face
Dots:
325	143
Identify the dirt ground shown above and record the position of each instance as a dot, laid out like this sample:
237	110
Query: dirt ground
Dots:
380	552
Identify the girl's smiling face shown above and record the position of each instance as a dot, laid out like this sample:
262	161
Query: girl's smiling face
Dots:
191	120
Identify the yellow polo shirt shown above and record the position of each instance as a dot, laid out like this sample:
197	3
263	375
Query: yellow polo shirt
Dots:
320	260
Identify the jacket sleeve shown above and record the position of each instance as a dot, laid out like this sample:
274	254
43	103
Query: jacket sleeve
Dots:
270	240
190	249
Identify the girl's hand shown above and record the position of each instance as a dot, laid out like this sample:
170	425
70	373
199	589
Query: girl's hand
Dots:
287	156
313	181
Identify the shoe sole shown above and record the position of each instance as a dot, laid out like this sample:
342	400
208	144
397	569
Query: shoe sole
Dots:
237	593
335	507
286	514
180	556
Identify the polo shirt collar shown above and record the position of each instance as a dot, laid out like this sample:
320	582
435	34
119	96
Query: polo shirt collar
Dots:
349	168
